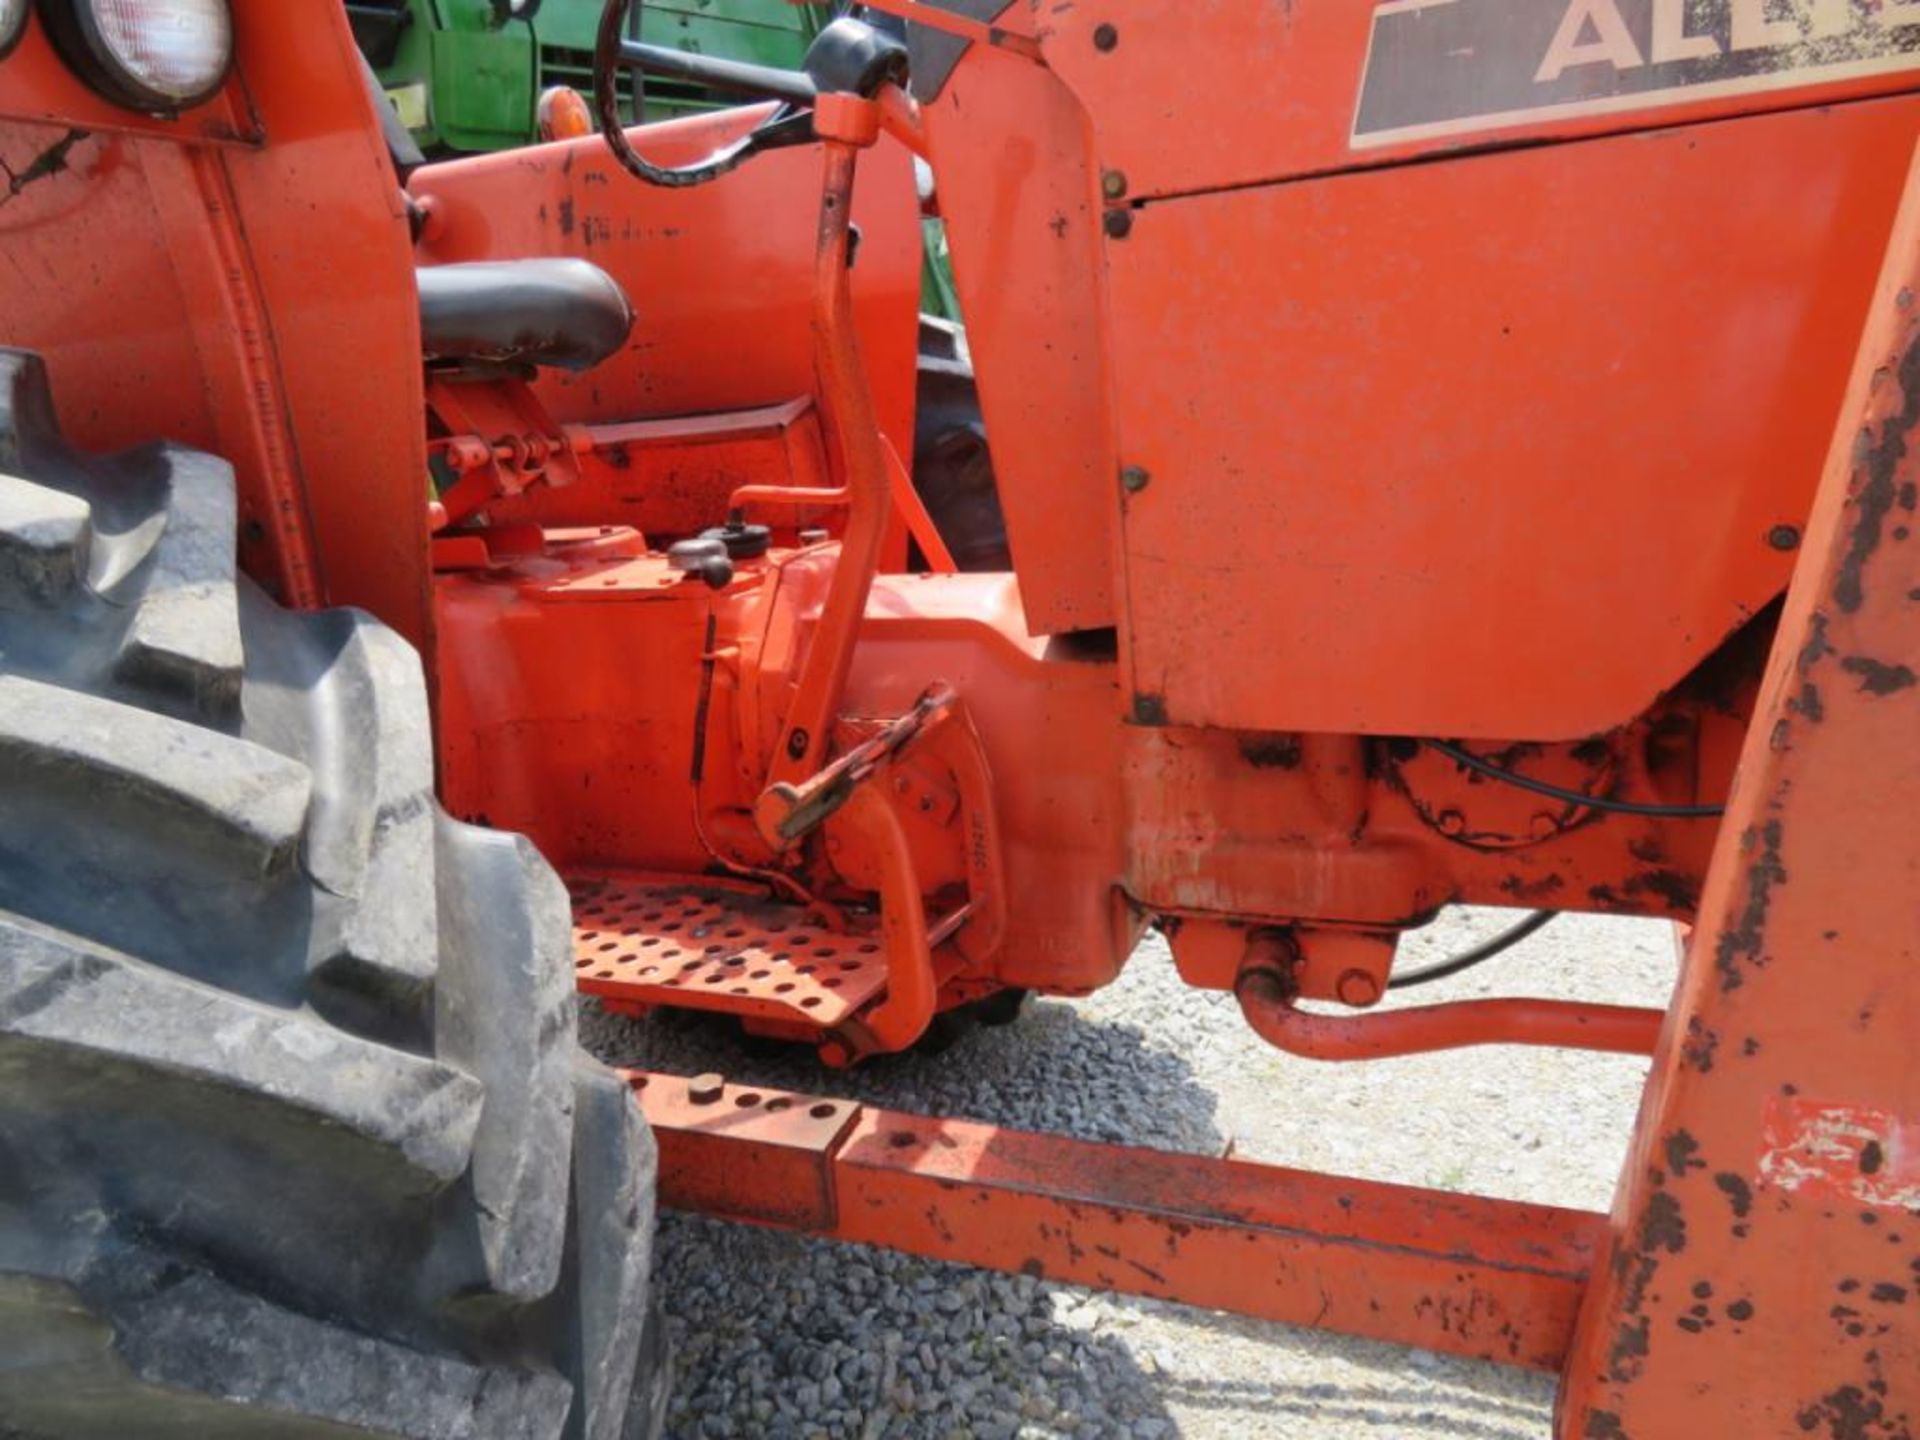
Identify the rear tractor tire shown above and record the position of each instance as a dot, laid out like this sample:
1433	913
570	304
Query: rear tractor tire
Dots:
952	464
295	1137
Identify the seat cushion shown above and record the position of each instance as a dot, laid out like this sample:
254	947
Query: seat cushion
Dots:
561	312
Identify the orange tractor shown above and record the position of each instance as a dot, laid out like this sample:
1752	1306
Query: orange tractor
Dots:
1451	451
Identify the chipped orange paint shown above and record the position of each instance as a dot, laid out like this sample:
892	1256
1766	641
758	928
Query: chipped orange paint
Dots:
1857	1153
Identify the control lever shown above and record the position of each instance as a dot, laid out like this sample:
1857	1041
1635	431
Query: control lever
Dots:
704	559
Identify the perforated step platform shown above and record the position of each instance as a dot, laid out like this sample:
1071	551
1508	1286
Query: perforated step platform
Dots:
641	942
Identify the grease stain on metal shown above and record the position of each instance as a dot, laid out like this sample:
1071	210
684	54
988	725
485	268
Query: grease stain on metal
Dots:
44	166
1878	677
1741	947
1878	454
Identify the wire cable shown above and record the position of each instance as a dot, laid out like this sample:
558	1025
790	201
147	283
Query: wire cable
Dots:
1570	797
1467	959
606	106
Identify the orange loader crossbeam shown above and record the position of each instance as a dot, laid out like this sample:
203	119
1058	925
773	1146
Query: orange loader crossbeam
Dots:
1488	1279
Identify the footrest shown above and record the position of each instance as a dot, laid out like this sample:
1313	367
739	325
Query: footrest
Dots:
705	947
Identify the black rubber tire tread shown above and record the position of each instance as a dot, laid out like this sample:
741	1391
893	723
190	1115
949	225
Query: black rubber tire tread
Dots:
296	1138
952	464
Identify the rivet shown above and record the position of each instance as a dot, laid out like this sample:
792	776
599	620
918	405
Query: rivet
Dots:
1784	537
1118	224
1113	184
1134	479
1105	37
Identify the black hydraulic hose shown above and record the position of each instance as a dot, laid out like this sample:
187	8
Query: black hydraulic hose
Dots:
608	49
1467	959
1568	797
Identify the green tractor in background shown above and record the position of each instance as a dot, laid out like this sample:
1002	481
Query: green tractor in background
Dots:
466	76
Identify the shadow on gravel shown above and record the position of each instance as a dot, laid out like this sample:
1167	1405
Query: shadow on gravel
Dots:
1389	1410
788	1338
1326	1383
782	1336
794	1339
1052	1070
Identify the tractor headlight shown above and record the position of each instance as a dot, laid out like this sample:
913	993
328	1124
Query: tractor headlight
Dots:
13	20
12	24
156	55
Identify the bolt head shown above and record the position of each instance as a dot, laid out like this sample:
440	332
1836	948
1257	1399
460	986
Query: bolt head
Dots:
1149	710
1784	537
1118	224
1113	184
835	1054
1358	987
1105	37
706	1089
1134	479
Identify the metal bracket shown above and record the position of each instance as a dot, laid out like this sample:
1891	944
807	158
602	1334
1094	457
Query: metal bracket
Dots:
499	441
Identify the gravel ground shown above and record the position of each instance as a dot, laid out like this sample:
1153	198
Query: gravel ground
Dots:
781	1336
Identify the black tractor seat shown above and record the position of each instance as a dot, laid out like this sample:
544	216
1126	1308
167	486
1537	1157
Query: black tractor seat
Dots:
561	312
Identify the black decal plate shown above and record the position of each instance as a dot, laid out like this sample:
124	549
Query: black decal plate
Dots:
1456	67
